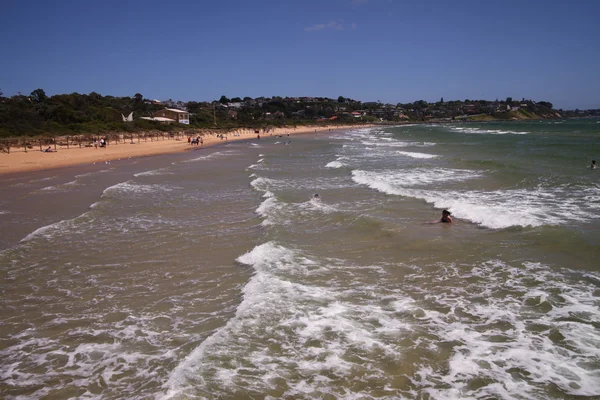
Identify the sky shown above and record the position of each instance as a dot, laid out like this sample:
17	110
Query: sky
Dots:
393	51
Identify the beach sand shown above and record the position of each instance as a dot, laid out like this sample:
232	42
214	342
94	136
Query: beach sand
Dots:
34	160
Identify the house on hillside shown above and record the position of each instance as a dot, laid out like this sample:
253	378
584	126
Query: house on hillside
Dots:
183	117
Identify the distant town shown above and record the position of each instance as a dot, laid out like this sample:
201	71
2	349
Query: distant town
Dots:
39	114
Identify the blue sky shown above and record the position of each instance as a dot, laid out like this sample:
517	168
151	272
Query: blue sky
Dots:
369	50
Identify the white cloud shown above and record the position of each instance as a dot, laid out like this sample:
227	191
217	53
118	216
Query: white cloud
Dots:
330	25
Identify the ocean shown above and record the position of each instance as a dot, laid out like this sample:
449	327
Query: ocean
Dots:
217	274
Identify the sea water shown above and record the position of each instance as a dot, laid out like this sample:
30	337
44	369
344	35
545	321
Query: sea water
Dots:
218	274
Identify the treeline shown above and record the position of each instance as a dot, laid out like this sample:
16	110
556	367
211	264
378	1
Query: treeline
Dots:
37	114
73	114
68	114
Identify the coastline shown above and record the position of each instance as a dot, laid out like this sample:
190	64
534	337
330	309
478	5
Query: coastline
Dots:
20	161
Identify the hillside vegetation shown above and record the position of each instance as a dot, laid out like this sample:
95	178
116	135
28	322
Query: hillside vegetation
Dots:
81	114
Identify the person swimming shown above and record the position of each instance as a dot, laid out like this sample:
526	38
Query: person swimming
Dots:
446	217
593	166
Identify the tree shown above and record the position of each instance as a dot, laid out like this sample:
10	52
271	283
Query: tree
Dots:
341	99
38	95
442	100
223	99
236	100
138	98
509	100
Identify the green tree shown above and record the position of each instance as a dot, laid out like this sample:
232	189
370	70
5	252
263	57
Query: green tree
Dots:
509	100
236	100
341	99
224	99
38	95
138	98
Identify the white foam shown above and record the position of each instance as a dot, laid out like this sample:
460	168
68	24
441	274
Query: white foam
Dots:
216	154
493	209
262	184
391	144
516	207
417	155
334	164
154	172
60	187
397	180
267	207
46	231
135	188
118	362
485	131
503	331
311	324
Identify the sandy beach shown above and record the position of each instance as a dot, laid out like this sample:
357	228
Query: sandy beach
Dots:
34	160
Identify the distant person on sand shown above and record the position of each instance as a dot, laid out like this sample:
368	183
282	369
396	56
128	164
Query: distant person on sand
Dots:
48	150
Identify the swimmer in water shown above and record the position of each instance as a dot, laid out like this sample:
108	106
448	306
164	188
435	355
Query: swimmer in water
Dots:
446	217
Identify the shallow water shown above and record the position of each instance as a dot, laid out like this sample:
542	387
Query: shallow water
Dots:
217	274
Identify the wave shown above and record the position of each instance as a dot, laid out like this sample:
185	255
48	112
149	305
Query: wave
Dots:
154	172
493	209
396	143
135	188
310	325
334	164
417	155
505	328
486	131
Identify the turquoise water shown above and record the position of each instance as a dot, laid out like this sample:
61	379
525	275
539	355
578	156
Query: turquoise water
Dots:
218	274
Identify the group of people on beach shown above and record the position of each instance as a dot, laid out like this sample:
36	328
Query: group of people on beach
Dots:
195	141
102	143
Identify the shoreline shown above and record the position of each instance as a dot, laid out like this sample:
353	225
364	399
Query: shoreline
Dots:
35	160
